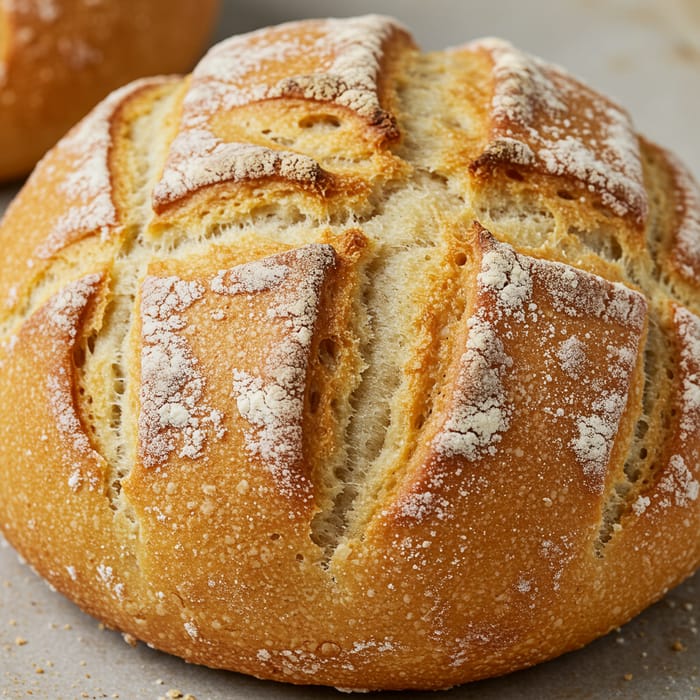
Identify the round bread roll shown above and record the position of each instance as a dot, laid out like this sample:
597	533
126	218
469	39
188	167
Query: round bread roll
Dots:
58	58
340	363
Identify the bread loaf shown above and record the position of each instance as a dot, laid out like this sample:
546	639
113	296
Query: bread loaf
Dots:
58	58
341	363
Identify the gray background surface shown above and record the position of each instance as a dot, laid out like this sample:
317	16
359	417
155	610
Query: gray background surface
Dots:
644	53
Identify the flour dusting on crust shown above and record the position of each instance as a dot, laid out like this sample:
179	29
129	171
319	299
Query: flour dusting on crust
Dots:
87	186
64	312
66	307
571	354
172	409
257	276
679	485
350	53
481	415
623	312
689	329
523	301
508	279
347	55
197	158
272	400
544	119
596	434
686	246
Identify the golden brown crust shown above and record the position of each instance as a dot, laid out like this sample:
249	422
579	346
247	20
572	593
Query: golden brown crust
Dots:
78	185
543	123
255	93
405	423
676	235
59	58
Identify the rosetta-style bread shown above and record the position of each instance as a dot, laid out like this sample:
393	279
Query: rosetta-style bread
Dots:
341	363
58	58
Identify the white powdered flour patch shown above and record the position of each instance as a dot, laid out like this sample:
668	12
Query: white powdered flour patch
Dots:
106	575
197	158
640	505
88	183
64	312
258	276
78	53
355	47
689	329
571	354
503	271
61	402
680	485
481	415
348	53
172	407
516	296
272	400
596	145
66	307
687	243
481	412
584	295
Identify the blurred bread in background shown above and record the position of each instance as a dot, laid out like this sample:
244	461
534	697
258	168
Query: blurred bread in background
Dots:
58	58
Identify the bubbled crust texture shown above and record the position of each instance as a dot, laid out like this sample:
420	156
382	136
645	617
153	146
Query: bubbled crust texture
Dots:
340	363
59	58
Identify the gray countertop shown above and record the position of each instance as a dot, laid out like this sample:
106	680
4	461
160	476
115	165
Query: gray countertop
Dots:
647	56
